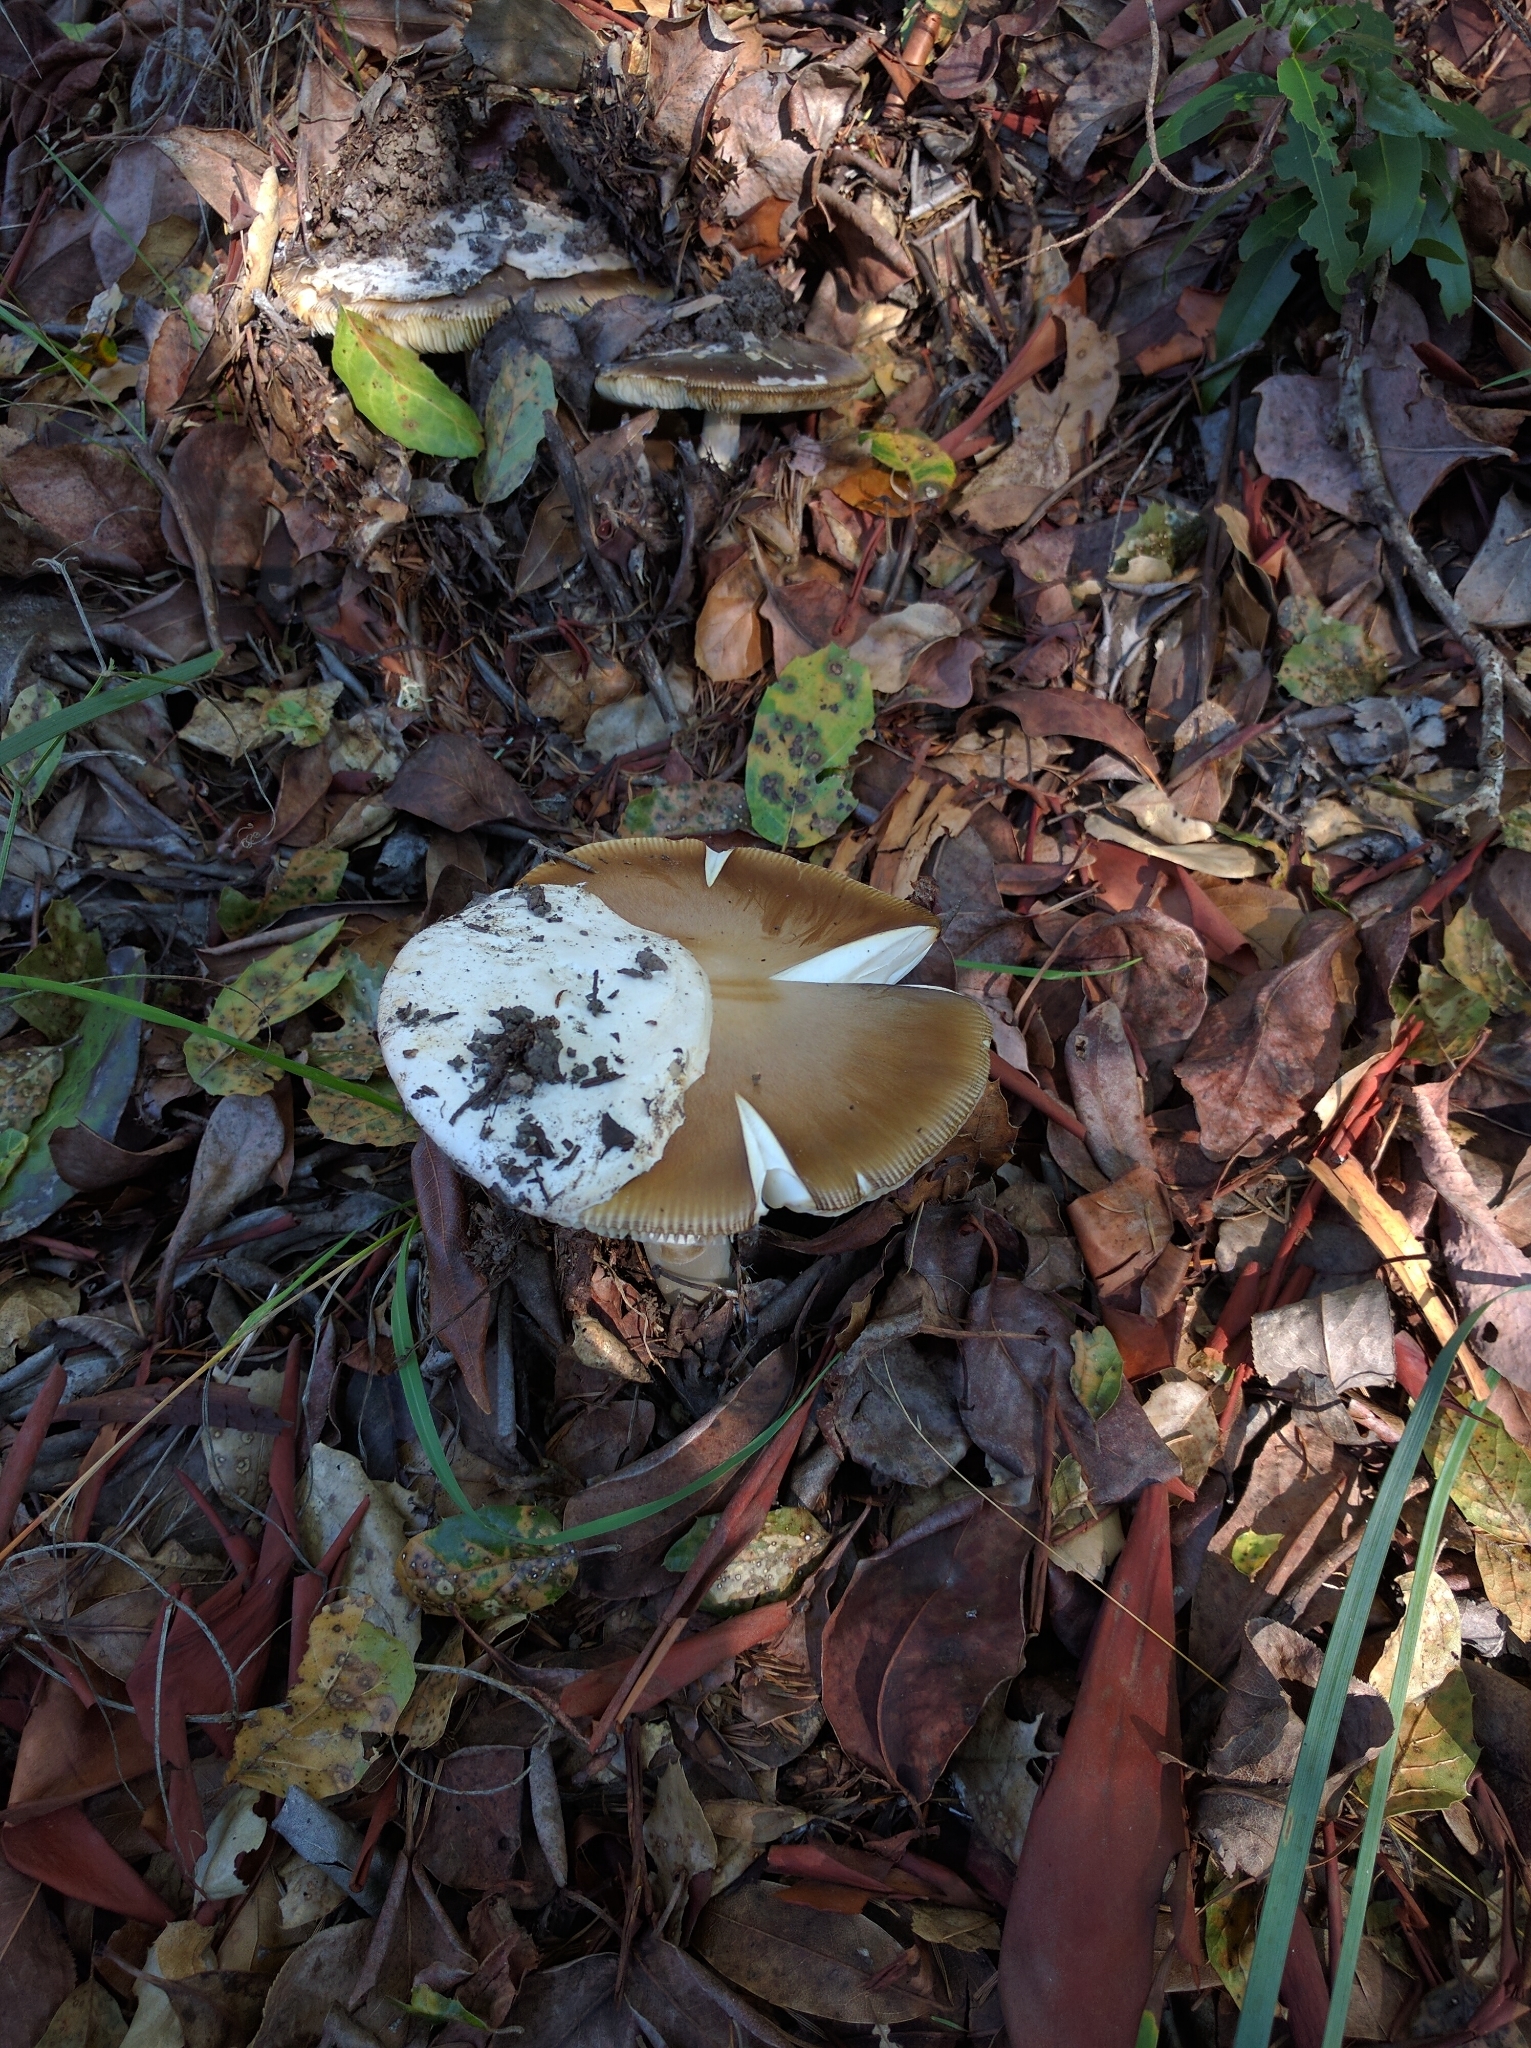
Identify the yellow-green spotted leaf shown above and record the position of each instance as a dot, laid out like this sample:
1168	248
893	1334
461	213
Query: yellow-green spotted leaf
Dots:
350	1122
930	470
1454	1016
31	772
810	722
1250	1552
400	394
1436	1752
1096	1375
313	875
268	992
1473	954
1493	1490
70	953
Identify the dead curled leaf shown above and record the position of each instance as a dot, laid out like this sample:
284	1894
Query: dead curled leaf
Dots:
1268	1051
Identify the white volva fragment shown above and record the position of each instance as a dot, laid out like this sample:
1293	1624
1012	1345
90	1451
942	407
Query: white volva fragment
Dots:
712	863
879	958
777	1184
546	1044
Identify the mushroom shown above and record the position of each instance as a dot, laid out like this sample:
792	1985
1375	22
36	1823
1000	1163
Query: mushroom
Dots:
468	266
662	1042
785	375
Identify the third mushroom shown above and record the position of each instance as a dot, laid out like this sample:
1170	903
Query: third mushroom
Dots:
662	1042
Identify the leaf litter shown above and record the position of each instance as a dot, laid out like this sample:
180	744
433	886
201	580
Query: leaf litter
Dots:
903	1617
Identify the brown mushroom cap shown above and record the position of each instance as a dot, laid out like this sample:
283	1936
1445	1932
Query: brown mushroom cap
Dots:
786	375
860	1082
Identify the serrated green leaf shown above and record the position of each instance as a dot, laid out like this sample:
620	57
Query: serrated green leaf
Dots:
401	395
1330	661
513	430
810	722
1325	227
1096	1375
1310	97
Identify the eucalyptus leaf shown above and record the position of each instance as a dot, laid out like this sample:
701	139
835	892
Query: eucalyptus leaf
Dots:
400	394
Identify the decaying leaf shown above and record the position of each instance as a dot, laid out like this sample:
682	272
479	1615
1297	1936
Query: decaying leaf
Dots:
354	1681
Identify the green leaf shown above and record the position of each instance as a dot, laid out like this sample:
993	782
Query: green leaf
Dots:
399	393
1232	1910
1395	108
513	431
1324	229
100	1068
1277	224
1440	243
267	992
810	722
1330	661
1096	1374
1209	109
1264	284
1310	97
1472	130
1389	173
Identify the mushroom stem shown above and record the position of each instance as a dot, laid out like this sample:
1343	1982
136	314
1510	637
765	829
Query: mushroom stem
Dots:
720	438
690	1272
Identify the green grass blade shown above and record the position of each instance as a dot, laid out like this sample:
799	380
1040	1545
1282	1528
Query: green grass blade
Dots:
412	1380
1283	1892
97	705
1376	1806
81	992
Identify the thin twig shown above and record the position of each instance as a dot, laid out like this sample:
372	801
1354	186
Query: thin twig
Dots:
606	574
1498	679
159	475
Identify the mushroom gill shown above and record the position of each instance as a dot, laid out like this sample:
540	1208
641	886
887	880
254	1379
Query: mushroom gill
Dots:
825	1085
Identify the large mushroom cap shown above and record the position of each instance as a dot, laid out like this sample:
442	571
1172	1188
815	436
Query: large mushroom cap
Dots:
545	1044
474	260
785	375
824	1085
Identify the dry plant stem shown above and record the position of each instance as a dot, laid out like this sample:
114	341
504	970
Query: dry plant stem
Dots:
1513	20
201	568
1497	677
606	575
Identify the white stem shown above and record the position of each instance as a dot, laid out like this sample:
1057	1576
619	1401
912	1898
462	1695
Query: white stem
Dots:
720	438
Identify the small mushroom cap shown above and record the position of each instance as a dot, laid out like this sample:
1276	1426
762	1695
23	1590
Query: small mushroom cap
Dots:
545	1044
824	1086
786	375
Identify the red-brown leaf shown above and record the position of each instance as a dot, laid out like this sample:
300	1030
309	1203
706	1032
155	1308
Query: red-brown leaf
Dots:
1077	1959
461	1299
